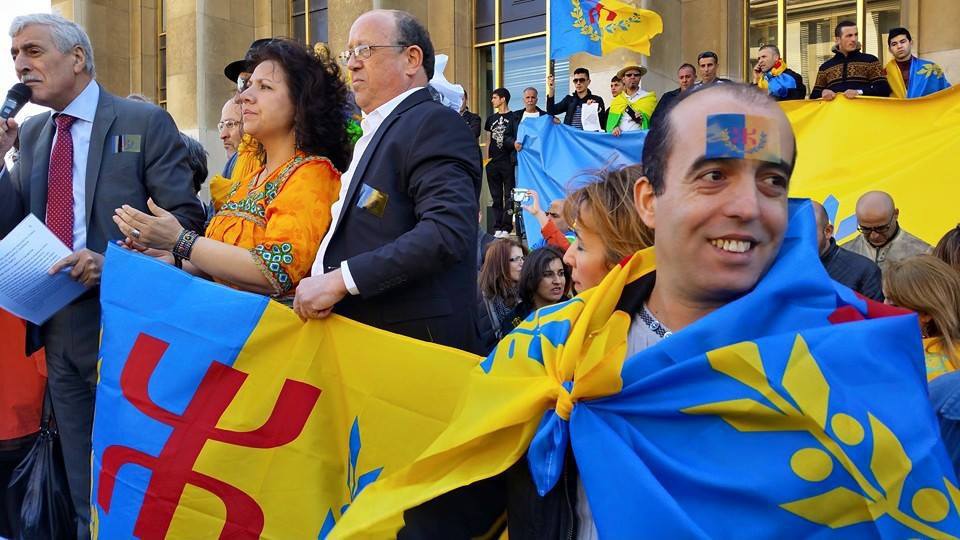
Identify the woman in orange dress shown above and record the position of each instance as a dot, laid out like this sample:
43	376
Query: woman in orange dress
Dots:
265	236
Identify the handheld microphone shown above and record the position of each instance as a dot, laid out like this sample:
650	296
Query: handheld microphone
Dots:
17	97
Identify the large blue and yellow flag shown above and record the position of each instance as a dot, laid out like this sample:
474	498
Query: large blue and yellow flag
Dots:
600	26
926	78
844	149
557	158
220	414
792	411
907	148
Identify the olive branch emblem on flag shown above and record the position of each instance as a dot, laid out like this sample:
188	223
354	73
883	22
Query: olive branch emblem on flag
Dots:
805	407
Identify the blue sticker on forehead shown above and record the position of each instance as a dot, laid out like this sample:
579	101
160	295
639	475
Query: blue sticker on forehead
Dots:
743	136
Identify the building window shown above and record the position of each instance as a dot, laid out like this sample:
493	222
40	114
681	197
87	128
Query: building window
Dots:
511	51
882	15
806	29
309	21
162	53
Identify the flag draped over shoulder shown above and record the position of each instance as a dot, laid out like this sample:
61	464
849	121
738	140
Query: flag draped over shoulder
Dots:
789	412
775	82
643	107
926	77
220	414
555	157
598	27
904	147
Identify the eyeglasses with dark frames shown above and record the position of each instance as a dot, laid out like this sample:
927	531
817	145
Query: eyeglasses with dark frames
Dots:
879	229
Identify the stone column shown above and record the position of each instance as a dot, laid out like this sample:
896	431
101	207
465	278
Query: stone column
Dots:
108	24
937	36
203	36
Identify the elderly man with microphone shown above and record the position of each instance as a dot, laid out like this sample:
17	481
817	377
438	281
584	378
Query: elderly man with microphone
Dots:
93	153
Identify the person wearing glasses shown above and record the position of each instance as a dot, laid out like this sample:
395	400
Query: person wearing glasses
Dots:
265	236
881	238
632	109
400	254
499	277
230	127
571	106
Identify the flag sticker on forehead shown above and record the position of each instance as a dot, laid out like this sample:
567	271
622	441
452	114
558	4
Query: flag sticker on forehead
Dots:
743	136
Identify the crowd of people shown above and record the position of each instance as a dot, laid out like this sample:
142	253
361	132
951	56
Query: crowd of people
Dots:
378	224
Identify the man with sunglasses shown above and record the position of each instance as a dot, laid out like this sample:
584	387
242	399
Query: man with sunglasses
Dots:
632	109
572	106
882	239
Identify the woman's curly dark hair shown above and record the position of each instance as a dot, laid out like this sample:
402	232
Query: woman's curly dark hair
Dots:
319	96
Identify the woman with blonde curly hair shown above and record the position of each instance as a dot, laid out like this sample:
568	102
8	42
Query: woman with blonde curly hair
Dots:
930	287
606	225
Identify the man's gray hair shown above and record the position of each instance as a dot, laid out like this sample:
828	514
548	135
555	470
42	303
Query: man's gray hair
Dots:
527	89
66	35
772	47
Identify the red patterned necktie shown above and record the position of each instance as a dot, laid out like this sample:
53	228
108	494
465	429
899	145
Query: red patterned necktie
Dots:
60	183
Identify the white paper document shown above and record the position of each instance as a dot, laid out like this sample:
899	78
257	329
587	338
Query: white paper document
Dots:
590	117
26	290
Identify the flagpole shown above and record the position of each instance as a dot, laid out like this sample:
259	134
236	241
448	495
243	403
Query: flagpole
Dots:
547	52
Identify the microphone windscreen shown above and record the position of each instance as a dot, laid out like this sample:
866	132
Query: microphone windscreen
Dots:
20	92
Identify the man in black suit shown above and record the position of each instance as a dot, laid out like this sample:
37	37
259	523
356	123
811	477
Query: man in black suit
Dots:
400	251
93	154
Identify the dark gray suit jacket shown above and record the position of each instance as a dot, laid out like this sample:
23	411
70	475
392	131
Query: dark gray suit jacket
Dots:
159	170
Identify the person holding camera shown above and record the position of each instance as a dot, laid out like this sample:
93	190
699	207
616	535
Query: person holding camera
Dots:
502	125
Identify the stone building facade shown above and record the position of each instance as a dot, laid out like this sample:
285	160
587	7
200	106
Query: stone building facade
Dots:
174	51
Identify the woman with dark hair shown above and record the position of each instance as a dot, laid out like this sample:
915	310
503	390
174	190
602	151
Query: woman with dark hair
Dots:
265	236
543	282
948	248
499	276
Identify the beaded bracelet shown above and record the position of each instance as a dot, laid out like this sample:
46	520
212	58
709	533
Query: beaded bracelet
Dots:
184	244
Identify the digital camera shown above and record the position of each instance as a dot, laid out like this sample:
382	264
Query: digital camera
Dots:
520	194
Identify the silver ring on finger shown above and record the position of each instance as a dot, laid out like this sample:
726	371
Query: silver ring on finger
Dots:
135	233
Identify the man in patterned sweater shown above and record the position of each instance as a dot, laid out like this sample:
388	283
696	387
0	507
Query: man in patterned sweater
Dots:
850	72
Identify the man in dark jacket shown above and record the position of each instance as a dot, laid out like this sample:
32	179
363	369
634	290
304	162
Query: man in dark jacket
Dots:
471	119
687	77
850	72
400	252
571	106
853	270
772	75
